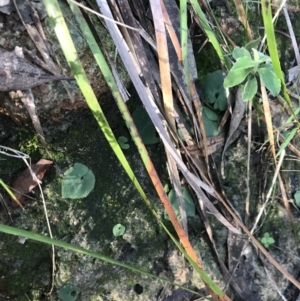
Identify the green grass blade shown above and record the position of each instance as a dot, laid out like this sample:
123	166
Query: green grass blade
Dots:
71	56
288	139
184	39
69	50
51	241
210	34
272	47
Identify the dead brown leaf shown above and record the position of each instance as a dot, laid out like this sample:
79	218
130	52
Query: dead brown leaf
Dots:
25	183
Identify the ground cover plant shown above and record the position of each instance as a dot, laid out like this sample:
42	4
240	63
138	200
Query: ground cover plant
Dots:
197	132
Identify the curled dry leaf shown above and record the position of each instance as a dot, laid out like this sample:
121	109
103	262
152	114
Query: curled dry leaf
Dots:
25	183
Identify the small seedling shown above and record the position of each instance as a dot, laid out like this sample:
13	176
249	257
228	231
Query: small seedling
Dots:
247	68
123	142
118	230
267	240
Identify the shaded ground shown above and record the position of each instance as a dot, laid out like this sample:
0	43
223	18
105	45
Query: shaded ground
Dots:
26	267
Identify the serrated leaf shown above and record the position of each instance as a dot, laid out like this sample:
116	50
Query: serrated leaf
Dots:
239	52
250	89
78	182
270	80
145	125
123	142
118	230
236	77
297	198
213	90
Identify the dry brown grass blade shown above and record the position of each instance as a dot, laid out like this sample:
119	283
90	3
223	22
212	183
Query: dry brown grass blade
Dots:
133	39
243	18
166	86
192	89
237	116
268	120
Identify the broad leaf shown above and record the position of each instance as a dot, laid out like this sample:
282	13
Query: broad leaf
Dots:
270	80
145	125
244	63
239	52
78	182
213	90
260	57
250	89
188	203
118	230
68	292
297	198
236	77
211	122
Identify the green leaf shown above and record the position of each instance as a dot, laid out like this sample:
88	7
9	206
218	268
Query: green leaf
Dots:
68	292
188	203
288	137
78	182
118	230
213	90
210	114
244	63
297	198
270	80
267	240
239	52
123	142
145	125
166	188
236	77
211	121
253	44
260	57
250	89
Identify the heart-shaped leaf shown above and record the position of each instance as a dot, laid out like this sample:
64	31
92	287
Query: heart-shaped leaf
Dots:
118	230
145	125
211	121
188	203
68	292
78	182
213	90
297	198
